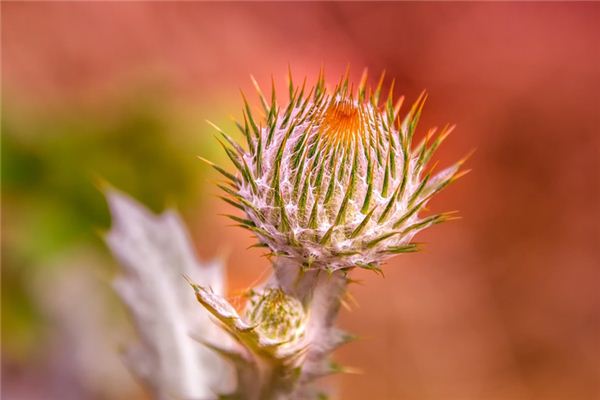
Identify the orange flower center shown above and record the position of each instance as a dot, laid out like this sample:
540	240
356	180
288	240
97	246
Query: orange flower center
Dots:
342	121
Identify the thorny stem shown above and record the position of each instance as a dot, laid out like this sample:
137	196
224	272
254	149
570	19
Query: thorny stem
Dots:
320	292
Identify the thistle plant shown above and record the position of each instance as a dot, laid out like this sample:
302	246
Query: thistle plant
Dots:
329	181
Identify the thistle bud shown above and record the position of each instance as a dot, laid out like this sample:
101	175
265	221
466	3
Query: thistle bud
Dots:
332	179
276	315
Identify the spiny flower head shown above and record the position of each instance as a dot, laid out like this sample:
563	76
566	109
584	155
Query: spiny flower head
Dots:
332	178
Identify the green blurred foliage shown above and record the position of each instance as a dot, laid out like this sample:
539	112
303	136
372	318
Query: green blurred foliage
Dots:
52	163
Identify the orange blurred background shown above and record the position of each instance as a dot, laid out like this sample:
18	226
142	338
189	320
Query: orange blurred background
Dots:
502	304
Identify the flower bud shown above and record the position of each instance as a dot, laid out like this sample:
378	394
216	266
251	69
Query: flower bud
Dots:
276	315
332	180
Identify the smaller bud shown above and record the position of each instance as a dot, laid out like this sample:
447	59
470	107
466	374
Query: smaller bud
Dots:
276	315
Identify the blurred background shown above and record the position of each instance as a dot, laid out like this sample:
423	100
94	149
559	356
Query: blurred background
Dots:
502	304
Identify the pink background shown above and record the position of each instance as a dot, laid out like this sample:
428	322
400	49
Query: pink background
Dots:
502	304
